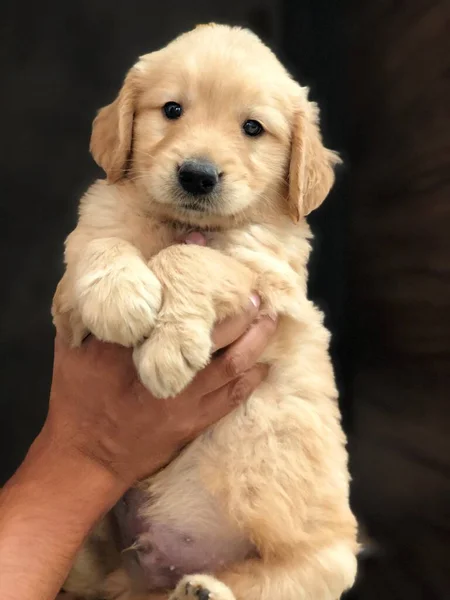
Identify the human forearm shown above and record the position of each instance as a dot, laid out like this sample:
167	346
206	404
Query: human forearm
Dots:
46	511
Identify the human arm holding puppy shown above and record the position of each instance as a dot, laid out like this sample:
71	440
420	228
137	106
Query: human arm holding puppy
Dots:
103	432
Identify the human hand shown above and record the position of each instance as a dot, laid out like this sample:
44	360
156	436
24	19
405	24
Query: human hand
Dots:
100	410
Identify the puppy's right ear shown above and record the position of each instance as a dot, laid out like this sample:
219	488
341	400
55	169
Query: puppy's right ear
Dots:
112	132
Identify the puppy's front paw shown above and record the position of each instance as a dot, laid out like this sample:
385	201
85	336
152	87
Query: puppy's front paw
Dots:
201	587
169	359
120	305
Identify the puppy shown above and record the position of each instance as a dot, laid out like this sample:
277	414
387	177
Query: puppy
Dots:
212	134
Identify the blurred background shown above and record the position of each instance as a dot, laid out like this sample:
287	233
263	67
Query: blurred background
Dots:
380	71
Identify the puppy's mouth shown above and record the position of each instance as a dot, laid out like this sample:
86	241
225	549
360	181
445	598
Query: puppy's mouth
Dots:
194	212
203	205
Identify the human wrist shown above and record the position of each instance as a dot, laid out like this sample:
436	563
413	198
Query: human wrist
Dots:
67	465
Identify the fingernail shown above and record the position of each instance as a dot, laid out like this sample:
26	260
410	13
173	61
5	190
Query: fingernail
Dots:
255	300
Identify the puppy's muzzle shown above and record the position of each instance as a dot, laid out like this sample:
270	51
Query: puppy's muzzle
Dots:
198	177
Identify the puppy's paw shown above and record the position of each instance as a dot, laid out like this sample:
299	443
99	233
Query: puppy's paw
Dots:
168	361
120	305
201	587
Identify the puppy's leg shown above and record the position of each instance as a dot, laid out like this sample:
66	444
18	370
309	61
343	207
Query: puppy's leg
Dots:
323	575
280	473
201	286
66	317
117	295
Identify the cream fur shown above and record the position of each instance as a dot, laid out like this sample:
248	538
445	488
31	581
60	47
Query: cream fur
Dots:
274	472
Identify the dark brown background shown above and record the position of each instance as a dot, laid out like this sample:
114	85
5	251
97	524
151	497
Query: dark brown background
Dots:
381	268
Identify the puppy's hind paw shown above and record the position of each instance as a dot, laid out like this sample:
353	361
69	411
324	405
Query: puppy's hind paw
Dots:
201	587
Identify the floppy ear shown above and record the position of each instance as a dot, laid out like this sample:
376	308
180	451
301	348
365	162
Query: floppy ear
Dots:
112	132
311	171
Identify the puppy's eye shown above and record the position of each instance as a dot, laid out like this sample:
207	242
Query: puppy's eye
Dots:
172	110
252	128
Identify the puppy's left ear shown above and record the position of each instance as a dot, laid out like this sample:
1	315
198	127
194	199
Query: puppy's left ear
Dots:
311	170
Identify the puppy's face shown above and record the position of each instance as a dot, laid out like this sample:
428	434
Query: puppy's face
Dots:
215	131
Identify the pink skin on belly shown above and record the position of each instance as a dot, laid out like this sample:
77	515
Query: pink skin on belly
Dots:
160	555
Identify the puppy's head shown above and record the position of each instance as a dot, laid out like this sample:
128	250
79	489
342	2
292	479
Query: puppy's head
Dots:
214	131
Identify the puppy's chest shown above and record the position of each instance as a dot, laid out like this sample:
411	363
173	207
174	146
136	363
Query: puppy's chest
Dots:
238	242
276	259
156	236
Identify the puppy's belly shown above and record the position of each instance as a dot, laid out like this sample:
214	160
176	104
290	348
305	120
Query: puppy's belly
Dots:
156	554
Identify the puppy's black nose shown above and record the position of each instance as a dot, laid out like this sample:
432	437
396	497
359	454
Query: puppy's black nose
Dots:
198	177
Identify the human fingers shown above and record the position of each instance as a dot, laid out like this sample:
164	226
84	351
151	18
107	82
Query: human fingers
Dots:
217	404
230	329
238	358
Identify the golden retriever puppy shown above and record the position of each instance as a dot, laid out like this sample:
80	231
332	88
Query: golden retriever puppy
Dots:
212	134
